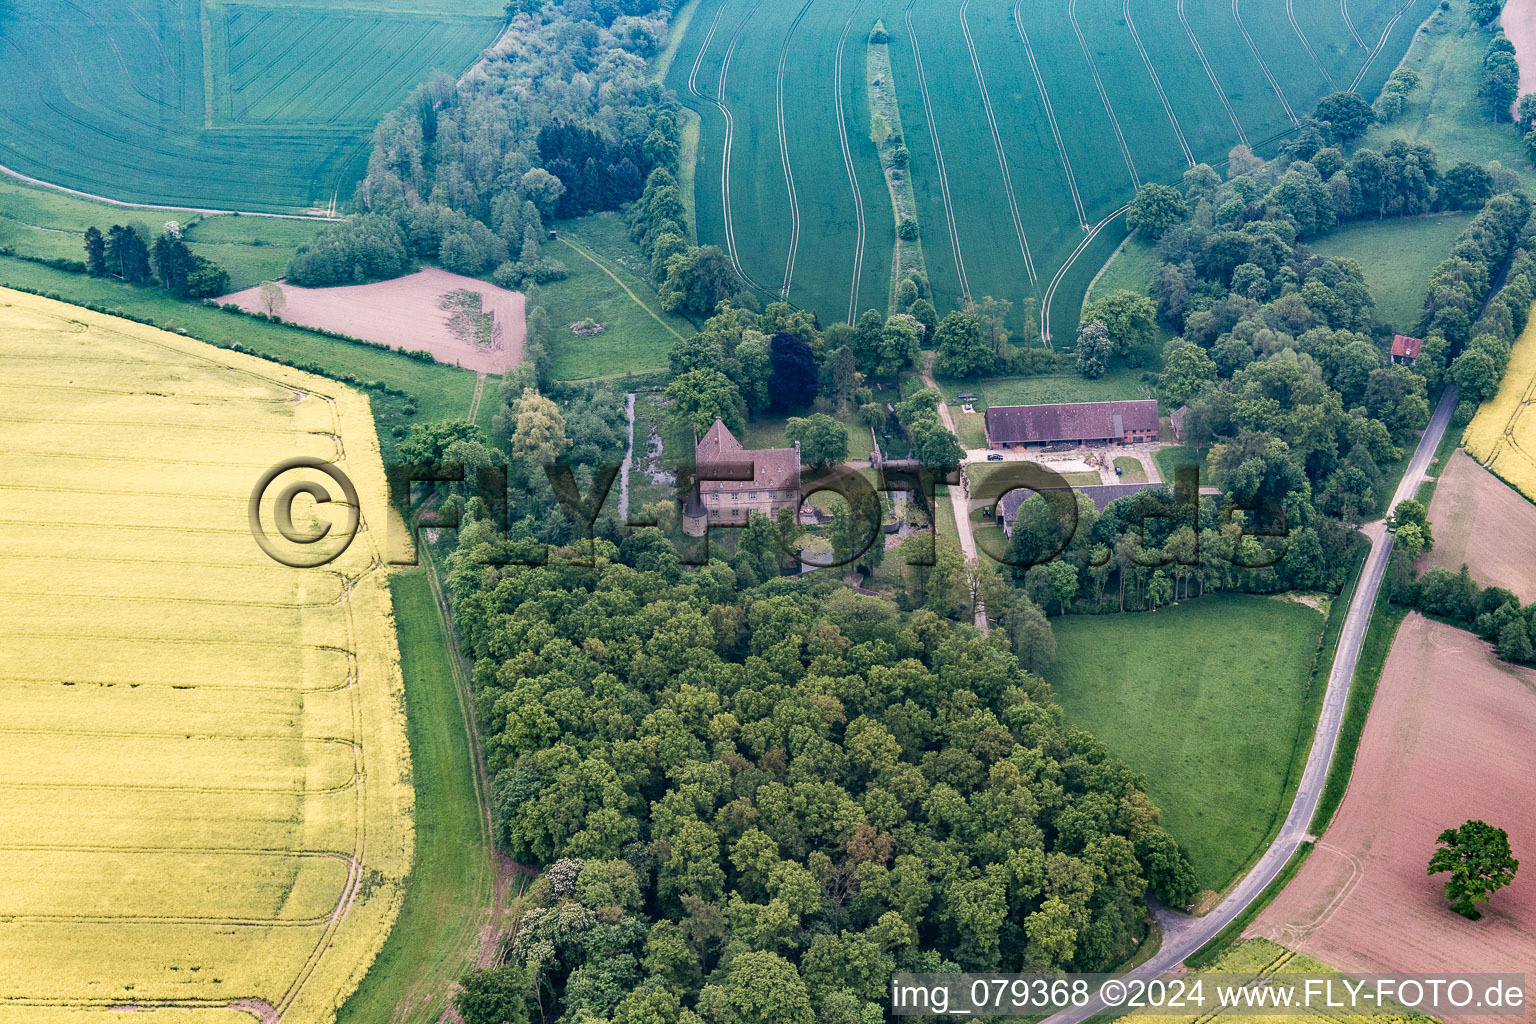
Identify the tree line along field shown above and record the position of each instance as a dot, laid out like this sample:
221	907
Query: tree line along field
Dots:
1030	124
225	105
207	787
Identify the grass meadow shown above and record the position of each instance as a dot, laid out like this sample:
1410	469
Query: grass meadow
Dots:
1028	124
228	105
609	282
1398	257
1208	699
208	766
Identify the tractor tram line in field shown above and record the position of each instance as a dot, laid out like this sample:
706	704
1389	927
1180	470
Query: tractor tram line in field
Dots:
997	143
1274	84
938	152
789	172
1290	12
1157	83
1242	135
1381	44
730	133
1098	83
1349	23
861	224
1050	116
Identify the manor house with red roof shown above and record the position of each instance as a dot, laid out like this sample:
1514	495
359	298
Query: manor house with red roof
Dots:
771	485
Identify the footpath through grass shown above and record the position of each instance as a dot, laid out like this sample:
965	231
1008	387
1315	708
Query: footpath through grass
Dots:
452	882
608	283
1207	698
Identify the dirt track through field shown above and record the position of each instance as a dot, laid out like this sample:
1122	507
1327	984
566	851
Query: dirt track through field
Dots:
1449	738
407	313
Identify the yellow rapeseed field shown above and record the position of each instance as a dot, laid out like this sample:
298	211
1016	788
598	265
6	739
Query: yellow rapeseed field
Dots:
205	795
1502	436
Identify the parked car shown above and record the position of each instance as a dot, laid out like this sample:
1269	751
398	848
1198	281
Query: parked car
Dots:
995	457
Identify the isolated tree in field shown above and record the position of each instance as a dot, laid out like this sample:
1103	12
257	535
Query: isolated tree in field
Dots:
272	298
964	349
1155	209
1130	319
1477	855
1093	349
95	252
700	397
823	440
1346	113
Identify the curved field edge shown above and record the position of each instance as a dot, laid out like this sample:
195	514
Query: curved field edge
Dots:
380	862
1502	436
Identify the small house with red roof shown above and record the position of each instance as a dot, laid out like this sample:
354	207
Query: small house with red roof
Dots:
1405	350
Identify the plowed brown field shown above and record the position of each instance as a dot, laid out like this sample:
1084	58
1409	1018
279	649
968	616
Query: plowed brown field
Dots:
1449	738
1482	522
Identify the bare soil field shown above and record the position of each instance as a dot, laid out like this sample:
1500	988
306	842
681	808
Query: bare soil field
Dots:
458	319
1519	22
1449	738
1481	522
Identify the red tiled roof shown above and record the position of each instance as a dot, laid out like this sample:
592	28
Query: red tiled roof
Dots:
773	468
1404	346
1081	421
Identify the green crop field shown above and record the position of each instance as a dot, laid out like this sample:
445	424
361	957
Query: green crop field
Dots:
1207	698
1398	257
1030	124
227	105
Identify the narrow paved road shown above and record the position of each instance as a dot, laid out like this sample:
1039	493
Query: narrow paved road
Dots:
960	506
1182	934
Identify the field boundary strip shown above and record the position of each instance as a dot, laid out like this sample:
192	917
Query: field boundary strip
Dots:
1050	115
938	153
1098	84
853	178
1157	83
1210	72
1274	84
789	171
1290	12
997	144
